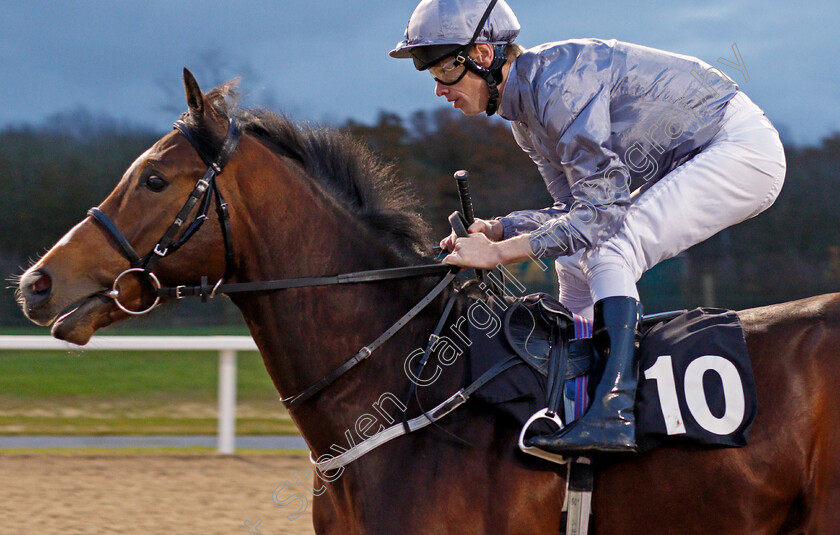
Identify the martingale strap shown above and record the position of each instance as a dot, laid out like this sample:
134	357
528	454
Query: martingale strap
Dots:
366	351
397	430
433	338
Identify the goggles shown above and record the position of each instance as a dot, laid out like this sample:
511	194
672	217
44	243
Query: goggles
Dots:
449	71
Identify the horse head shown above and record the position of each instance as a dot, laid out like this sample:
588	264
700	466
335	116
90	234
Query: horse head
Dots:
69	286
316	193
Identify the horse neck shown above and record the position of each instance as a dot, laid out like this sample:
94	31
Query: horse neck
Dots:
292	229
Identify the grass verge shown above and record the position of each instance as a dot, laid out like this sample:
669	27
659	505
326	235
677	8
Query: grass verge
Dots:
132	392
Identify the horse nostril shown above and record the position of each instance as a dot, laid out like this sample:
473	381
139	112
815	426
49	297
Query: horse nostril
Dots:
36	287
42	284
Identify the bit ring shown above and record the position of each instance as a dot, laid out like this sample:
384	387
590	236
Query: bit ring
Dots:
114	293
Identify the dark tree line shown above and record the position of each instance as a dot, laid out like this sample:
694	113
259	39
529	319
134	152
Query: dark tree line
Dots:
51	174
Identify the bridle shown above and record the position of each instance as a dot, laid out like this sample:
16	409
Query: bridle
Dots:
204	189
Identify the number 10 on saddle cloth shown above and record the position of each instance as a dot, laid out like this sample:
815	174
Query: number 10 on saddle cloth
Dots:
696	383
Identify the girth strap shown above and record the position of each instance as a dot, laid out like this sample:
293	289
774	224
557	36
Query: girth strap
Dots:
366	351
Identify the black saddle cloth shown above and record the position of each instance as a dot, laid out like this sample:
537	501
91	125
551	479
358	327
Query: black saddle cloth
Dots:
696	382
711	390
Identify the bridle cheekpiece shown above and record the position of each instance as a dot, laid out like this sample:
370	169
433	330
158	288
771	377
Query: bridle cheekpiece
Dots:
204	189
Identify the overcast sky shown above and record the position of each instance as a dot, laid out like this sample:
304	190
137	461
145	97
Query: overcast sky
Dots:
327	61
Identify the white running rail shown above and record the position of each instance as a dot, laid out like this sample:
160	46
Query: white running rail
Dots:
227	346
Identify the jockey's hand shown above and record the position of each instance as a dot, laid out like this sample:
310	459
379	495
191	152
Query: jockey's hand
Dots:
491	228
475	251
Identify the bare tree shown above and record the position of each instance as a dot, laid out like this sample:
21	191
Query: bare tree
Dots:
213	67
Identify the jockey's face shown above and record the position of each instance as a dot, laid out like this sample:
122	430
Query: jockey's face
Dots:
470	94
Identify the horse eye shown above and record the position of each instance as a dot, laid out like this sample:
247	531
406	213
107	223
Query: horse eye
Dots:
155	183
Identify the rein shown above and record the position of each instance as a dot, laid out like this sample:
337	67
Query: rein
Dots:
366	351
204	290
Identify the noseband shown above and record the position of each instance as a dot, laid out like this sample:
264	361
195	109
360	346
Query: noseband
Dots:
204	189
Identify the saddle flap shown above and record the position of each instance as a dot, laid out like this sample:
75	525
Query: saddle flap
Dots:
533	325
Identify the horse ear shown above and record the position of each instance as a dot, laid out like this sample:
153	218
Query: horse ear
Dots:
195	99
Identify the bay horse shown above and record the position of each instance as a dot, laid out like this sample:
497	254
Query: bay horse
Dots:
305	202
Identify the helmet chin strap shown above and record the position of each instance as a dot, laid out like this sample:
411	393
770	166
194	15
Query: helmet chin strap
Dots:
491	75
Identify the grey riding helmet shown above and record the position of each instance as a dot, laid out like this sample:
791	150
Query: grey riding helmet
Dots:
442	28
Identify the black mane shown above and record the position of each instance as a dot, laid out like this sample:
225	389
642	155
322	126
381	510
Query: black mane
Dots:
344	165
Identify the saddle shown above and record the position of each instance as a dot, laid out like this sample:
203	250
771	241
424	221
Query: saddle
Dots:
542	333
537	324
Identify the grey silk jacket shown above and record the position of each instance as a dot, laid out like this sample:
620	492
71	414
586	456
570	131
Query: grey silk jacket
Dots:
594	115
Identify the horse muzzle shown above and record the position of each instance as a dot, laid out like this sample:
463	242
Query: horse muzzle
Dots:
74	312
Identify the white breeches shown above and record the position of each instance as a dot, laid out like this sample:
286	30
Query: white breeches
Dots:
736	177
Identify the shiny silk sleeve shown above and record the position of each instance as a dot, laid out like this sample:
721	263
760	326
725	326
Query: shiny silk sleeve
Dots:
572	103
523	221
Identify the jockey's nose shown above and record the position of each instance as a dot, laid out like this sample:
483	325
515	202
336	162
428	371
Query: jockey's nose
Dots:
35	287
440	89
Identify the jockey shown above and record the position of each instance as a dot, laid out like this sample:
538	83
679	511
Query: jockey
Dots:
594	115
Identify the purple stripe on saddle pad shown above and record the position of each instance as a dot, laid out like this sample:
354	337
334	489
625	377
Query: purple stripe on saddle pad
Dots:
581	398
583	329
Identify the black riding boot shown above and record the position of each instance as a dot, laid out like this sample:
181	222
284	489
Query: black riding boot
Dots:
609	424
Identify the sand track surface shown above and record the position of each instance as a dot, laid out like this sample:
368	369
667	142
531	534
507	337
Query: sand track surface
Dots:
153	493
